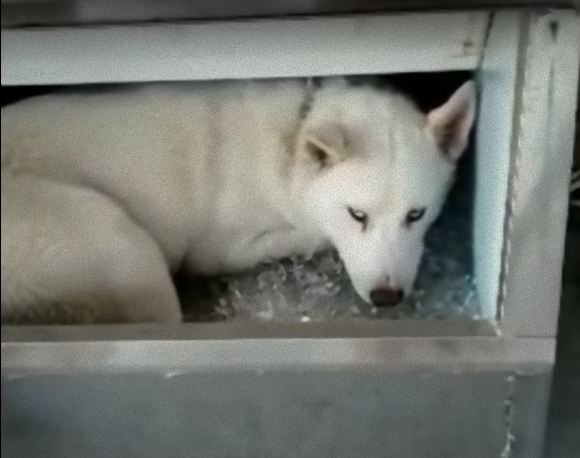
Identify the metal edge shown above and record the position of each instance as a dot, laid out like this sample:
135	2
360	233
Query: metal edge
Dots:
171	357
351	328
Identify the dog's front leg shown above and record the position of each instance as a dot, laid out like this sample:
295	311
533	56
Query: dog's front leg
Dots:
278	244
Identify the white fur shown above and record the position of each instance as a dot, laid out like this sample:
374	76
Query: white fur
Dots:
104	195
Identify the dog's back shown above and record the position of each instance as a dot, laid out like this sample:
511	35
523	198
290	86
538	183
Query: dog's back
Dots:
165	153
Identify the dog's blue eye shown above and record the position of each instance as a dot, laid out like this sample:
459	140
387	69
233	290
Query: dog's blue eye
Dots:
415	215
359	216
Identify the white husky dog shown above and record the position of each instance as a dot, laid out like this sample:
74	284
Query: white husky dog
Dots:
105	195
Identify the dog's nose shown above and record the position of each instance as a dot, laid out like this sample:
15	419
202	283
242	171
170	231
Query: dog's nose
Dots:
386	297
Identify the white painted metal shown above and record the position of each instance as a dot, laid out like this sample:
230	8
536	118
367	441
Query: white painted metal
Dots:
542	158
243	49
495	126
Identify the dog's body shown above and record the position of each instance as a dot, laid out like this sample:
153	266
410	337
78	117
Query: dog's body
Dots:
105	195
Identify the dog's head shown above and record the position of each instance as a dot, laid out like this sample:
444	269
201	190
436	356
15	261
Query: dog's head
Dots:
373	173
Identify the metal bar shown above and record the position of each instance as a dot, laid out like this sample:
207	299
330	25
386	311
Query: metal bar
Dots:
541	160
243	49
172	357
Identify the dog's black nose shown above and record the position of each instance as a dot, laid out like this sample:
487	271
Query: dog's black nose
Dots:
386	297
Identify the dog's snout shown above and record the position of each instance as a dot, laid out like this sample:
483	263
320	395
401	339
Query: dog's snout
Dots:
386	297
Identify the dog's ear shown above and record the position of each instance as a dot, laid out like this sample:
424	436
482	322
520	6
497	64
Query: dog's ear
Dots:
451	123
324	145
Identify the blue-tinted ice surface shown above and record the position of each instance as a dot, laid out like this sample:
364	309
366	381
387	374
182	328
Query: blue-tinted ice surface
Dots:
318	288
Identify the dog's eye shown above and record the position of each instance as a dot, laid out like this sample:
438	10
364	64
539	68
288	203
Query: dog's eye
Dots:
415	215
359	216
